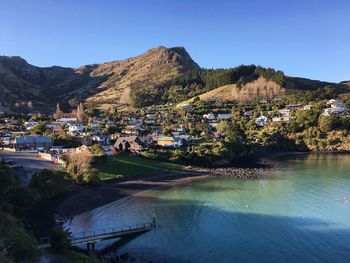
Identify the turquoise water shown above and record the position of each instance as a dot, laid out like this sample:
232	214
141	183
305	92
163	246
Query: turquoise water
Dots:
298	214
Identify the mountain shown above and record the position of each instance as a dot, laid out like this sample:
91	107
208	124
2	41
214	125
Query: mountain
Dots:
159	75
111	83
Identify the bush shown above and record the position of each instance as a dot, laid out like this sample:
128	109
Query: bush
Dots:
59	239
49	183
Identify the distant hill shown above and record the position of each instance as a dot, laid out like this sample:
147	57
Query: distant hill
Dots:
159	75
111	83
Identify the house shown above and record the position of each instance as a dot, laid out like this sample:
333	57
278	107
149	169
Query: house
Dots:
102	139
307	107
32	143
291	106
281	119
210	116
58	130
75	127
129	144
224	116
261	121
284	112
180	129
186	106
5	140
66	120
165	140
94	124
337	107
248	113
30	124
52	125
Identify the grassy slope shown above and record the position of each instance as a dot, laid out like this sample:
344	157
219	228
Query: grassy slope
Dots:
223	93
133	167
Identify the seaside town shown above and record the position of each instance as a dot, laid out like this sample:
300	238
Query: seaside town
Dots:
171	132
174	131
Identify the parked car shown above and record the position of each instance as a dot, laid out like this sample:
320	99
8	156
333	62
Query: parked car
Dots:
10	162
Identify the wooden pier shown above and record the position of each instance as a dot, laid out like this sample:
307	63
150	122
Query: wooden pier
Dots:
90	238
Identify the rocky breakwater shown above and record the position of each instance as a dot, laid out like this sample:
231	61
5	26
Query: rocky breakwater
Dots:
239	173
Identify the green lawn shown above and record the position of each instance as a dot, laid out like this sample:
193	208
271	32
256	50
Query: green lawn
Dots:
130	167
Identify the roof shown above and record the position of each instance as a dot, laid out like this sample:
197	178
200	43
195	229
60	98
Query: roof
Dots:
127	139
165	138
32	139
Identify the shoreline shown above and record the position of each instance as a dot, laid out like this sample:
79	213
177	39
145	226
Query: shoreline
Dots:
86	198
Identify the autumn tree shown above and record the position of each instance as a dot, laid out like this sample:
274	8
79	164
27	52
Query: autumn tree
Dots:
30	104
59	113
79	165
80	112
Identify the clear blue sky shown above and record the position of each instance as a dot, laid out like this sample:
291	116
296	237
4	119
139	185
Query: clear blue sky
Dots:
309	38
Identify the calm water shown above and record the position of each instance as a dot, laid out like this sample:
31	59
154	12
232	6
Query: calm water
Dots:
297	215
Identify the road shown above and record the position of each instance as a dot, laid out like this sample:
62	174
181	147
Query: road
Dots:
31	164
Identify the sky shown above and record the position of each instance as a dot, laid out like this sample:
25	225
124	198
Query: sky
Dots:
305	38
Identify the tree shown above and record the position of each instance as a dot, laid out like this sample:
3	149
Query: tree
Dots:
327	123
59	239
79	162
80	112
49	183
97	149
30	104
167	131
59	113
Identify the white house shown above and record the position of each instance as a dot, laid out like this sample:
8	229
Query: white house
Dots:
209	116
66	120
30	124
281	119
307	107
75	127
224	116
284	112
261	121
337	107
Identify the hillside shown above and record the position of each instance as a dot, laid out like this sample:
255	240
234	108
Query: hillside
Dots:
260	88
112	82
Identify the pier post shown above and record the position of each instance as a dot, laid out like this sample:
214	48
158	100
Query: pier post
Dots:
154	219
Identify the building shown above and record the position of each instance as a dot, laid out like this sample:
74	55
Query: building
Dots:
32	143
101	139
75	127
291	106
58	131
30	124
210	116
66	120
129	144
337	107
281	119
307	107
224	116
165	141
261	121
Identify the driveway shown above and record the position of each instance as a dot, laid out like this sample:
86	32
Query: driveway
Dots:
31	164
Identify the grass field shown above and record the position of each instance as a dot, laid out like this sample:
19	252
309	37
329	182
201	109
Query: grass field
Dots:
131	167
223	93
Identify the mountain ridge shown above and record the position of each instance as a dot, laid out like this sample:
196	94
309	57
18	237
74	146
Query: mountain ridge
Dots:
119	84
